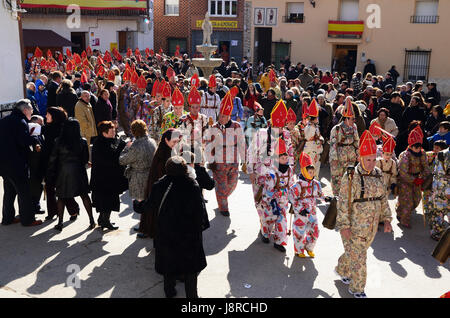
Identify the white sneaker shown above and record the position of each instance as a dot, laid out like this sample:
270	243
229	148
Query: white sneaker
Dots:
358	295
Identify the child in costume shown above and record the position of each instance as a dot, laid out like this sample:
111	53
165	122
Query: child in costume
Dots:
303	195
277	182
388	165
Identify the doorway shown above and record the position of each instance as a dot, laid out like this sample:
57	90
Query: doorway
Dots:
263	45
80	39
345	59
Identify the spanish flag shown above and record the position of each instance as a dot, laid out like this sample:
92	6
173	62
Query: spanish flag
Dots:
345	27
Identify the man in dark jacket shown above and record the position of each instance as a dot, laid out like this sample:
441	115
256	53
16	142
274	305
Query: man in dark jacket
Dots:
14	169
182	218
268	103
52	87
369	68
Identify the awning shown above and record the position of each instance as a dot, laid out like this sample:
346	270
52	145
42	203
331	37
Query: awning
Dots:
44	38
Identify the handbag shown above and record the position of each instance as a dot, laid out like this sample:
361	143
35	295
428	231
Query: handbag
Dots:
164	197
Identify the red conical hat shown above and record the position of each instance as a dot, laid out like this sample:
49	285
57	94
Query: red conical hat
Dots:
37	52
212	81
367	145
68	53
101	71
155	88
272	76
85	63
129	52
291	116
161	51
194	97
126	76
415	136
137	52
89	51
195	80
305	110
313	109
60	58
84	77
389	145
375	129
281	147
107	57
348	112
83	55
69	66
177	97
147	52
234	91
100	61
141	83
49	54
226	105
152	53
77	59
166	91
134	77
43	63
305	160
111	76
170	73
279	114
161	86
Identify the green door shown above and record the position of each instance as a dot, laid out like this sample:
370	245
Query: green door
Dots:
281	50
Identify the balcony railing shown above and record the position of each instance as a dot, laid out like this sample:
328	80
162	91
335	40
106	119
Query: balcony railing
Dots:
345	29
294	19
425	19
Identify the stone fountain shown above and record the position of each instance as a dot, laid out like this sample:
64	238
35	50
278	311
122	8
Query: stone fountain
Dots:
206	63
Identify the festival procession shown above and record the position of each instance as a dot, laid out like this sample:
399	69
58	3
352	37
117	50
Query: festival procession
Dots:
197	169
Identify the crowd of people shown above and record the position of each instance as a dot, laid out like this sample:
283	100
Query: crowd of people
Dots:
148	123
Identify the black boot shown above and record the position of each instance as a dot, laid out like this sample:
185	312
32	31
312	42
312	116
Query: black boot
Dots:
279	247
106	223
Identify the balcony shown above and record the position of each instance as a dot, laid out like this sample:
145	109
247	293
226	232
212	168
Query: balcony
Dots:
294	18
345	29
425	19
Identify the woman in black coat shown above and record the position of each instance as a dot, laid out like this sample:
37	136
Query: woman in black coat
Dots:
66	97
107	175
55	118
182	218
66	169
112	99
103	109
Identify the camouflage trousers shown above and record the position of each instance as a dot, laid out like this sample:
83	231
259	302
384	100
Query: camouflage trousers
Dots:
409	197
226	178
352	263
436	221
347	157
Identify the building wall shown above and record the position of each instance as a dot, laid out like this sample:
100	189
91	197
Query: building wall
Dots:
185	25
11	69
385	46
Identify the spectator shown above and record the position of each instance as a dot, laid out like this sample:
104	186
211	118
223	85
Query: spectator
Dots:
356	83
305	78
442	134
41	97
103	109
56	79
412	112
66	97
433	92
369	68
179	245
331	93
66	169
394	74
268	103
14	168
387	123
85	116
396	108
433	120
107	175
31	92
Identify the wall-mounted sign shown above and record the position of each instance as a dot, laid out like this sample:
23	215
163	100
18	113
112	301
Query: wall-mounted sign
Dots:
219	24
271	16
234	42
95	42
260	16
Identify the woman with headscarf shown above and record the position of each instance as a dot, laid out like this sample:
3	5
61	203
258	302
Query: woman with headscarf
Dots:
66	169
169	140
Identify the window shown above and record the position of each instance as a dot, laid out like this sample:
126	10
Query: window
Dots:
295	12
426	12
227	8
172	7
349	10
417	65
